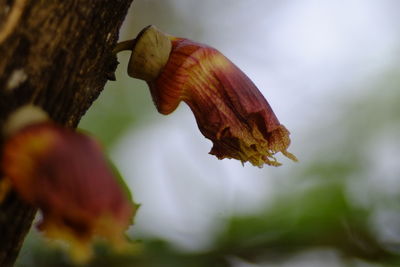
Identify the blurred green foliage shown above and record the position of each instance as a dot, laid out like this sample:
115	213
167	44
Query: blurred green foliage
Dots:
319	216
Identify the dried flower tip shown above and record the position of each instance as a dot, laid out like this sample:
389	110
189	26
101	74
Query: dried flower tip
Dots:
150	52
24	116
66	176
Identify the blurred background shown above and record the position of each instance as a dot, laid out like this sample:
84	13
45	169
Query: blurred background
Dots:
330	70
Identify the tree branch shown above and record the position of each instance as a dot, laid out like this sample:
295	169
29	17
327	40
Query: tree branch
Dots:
56	54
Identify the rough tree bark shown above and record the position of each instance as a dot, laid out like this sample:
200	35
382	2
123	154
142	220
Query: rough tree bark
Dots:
55	54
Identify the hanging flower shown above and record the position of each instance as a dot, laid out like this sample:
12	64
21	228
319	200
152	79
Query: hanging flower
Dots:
228	107
66	176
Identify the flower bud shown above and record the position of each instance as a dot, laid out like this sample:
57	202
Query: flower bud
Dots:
228	107
66	176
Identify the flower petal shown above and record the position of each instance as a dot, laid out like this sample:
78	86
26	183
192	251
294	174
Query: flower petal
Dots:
228	107
65	174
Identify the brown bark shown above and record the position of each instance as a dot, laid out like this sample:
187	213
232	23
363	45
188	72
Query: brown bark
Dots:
56	54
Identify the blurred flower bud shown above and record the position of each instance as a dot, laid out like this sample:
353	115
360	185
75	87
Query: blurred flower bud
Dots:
66	176
228	107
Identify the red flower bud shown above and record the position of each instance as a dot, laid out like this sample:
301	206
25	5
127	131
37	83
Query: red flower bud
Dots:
65	175
228	107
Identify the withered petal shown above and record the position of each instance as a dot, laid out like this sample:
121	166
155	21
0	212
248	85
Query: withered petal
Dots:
65	174
228	107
